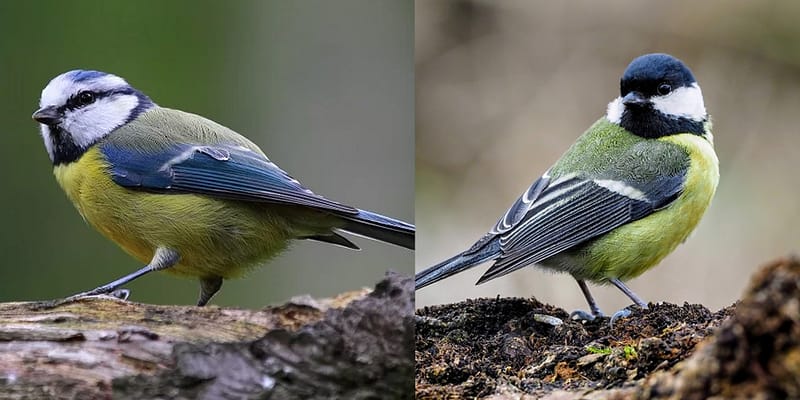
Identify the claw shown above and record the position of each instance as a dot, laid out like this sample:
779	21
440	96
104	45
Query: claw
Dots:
121	294
581	315
623	313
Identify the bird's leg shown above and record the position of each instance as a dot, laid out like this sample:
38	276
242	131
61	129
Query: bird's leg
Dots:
162	259
621	286
208	288
625	311
583	315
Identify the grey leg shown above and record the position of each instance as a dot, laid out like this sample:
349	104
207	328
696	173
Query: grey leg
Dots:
592	304
624	313
589	299
162	259
621	286
208	288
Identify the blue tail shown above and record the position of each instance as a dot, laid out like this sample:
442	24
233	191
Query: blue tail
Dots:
479	253
379	227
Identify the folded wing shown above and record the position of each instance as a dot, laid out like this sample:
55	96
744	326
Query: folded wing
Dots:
224	171
553	216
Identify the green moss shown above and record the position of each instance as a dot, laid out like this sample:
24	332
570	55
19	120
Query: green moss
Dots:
598	350
630	352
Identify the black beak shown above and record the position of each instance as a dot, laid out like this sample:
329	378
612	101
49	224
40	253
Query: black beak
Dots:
635	99
47	115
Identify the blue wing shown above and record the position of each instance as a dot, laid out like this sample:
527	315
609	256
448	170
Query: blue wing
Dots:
224	171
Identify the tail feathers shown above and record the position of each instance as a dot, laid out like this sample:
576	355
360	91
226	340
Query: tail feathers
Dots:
382	228
335	239
456	264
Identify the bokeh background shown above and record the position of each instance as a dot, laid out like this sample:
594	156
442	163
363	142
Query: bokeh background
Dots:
504	87
325	88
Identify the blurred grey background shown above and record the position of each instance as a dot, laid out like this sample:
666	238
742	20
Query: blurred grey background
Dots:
504	87
325	88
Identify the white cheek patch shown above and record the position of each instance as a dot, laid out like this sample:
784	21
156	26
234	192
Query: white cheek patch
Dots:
614	110
686	102
48	140
88	124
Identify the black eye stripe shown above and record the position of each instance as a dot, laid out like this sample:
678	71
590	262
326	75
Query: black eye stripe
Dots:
74	103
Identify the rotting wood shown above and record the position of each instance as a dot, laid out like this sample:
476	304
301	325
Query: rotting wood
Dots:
357	345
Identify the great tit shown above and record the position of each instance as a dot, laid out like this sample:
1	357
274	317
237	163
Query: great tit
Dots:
180	192
621	198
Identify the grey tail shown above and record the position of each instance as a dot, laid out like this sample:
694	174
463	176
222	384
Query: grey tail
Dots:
479	253
335	239
379	227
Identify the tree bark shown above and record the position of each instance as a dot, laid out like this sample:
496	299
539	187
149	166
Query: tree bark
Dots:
358	345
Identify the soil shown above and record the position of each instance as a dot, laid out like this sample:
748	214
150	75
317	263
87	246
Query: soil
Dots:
514	348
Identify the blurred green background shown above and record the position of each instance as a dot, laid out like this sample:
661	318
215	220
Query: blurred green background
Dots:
504	87
325	88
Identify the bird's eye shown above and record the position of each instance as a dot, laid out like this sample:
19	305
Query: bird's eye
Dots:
664	89
85	98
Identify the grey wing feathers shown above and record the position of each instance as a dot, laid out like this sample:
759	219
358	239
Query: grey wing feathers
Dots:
521	207
573	210
486	249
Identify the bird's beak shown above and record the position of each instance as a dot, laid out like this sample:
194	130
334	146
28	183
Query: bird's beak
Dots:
635	99
47	115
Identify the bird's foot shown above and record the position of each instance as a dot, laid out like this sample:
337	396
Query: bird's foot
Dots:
580	315
119	294
624	313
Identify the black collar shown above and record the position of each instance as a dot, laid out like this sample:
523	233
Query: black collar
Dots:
651	123
65	150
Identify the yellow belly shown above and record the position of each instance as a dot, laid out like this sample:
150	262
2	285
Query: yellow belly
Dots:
215	238
631	249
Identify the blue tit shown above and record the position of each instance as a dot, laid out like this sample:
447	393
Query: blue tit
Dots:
621	198
180	192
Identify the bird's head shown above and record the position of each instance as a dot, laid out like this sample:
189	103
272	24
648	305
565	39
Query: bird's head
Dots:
659	96
78	108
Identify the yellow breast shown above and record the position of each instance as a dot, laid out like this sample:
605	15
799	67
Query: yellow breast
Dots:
629	250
